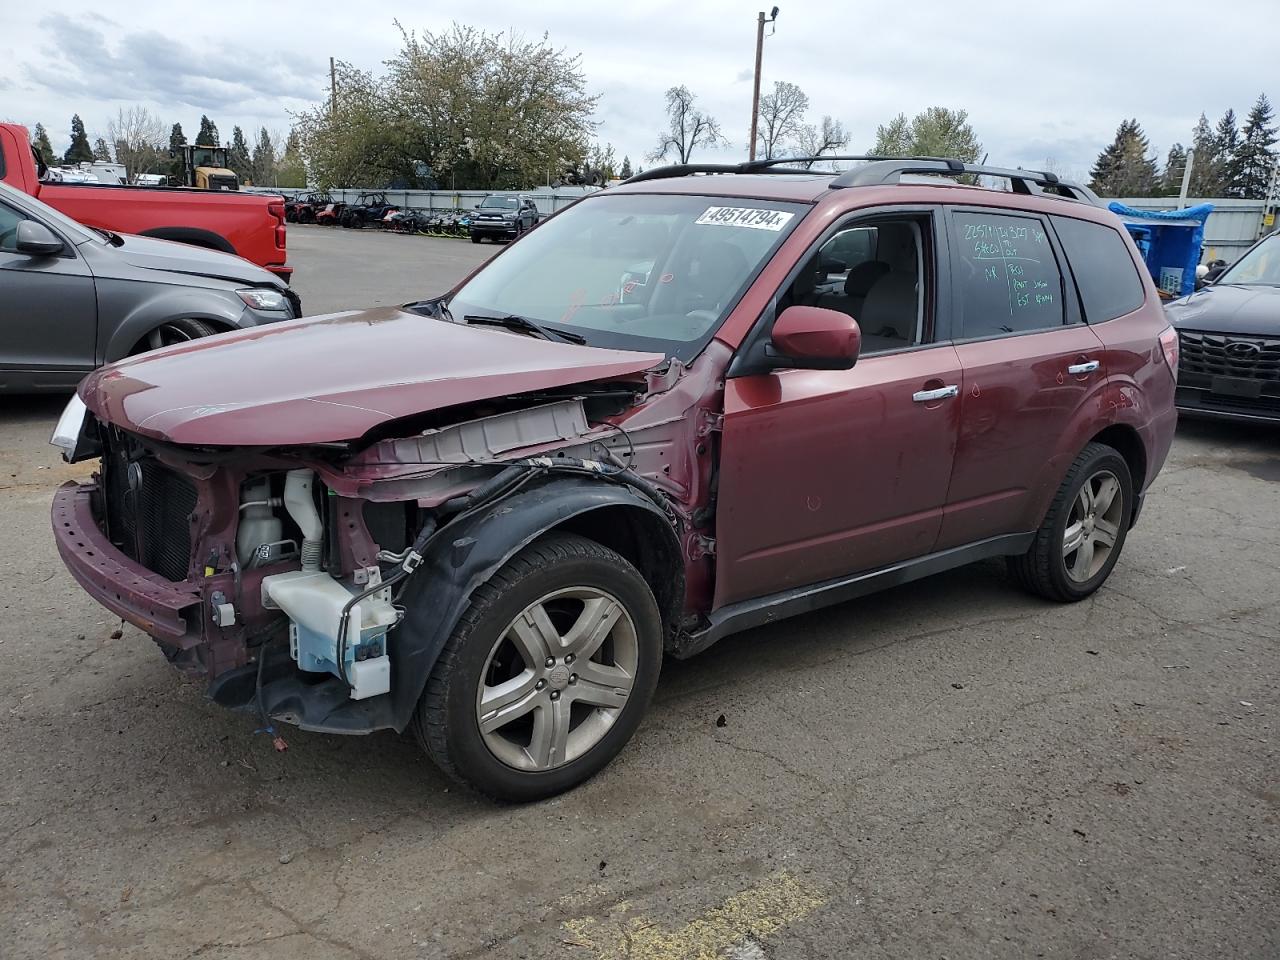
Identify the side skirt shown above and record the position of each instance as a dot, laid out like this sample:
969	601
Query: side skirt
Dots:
789	603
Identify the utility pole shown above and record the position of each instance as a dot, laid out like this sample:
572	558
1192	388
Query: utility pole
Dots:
333	87
755	95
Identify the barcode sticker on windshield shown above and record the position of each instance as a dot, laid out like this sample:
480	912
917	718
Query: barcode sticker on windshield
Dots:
753	217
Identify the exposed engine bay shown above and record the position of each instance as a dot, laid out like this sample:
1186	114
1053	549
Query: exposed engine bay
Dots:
323	543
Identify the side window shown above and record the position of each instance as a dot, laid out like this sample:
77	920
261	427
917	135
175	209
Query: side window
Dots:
872	271
9	220
1108	281
1005	275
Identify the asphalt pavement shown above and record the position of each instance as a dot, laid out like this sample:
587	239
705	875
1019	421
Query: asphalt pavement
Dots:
949	769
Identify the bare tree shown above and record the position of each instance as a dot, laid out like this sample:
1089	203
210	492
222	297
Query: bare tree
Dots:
138	136
690	128
781	117
816	141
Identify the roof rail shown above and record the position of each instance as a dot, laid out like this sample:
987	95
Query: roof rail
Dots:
890	171
683	170
877	170
774	165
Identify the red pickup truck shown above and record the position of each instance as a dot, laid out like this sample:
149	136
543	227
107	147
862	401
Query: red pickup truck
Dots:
249	225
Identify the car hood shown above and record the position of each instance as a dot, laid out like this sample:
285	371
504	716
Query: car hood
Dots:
148	253
333	378
1249	310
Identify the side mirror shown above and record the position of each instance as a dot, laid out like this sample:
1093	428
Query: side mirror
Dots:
814	338
37	239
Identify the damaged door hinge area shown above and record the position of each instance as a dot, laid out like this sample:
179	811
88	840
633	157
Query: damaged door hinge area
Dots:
709	422
700	546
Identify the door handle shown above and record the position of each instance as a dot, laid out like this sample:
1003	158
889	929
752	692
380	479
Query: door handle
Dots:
1078	368
942	393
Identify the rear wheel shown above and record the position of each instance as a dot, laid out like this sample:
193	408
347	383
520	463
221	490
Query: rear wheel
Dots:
174	331
1080	540
547	674
306	216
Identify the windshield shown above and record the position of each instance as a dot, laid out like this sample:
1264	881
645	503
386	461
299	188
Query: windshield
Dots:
505	203
636	271
31	207
1260	265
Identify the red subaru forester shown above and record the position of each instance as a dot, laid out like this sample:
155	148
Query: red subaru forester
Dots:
703	400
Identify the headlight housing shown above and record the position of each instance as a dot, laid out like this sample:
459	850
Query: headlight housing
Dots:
270	301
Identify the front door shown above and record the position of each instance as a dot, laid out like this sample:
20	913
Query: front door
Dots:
48	314
828	473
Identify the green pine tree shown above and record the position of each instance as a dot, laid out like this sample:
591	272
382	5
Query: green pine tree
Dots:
40	141
79	151
101	151
1123	168
263	163
177	140
1226	140
208	135
625	173
1206	164
238	156
1255	158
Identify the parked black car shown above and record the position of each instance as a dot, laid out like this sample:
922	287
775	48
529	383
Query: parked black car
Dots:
503	217
73	298
368	208
1229	340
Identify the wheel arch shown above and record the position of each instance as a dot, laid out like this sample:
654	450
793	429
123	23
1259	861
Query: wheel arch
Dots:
1127	442
170	303
194	236
612	514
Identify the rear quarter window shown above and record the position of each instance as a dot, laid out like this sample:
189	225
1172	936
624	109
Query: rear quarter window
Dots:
1105	274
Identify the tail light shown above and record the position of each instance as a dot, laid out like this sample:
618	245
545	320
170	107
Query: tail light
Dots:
1169	343
276	209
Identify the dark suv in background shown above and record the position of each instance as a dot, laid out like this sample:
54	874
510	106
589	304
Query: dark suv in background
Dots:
1230	340
503	217
698	402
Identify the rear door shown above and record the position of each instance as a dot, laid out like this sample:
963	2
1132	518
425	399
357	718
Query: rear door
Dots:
48	313
825	473
1030	364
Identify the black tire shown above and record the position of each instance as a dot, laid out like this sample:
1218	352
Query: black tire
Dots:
174	331
476	238
306	216
446	722
1043	569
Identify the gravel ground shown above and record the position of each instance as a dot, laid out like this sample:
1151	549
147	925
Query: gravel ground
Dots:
949	769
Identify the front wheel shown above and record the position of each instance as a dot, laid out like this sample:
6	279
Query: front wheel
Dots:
547	674
179	330
475	238
1080	540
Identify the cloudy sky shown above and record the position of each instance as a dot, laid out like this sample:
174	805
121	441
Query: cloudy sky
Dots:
1038	82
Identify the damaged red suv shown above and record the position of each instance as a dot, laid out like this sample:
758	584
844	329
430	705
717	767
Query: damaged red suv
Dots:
698	402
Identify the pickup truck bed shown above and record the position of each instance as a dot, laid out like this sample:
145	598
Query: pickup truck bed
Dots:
250	225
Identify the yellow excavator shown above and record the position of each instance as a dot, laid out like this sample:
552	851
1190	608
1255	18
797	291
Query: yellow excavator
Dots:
205	168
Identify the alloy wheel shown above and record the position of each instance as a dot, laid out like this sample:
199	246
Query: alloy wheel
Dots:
1092	526
557	678
167	334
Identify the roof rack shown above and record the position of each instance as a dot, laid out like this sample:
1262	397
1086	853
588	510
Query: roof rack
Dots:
884	171
750	166
878	170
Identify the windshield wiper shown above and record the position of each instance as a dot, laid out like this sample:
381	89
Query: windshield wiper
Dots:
514	321
112	238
